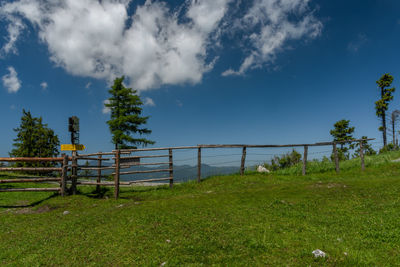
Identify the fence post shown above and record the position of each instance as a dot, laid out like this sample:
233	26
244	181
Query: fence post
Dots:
305	159
116	176
199	164
336	157
74	172
171	169
99	163
64	175
243	161
362	156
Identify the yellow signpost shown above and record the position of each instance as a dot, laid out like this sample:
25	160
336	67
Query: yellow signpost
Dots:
69	147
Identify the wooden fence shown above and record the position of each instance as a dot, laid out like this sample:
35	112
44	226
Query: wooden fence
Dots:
62	171
122	159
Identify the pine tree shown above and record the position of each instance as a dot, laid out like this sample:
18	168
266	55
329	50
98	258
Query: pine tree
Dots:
367	149
126	119
342	132
34	139
382	104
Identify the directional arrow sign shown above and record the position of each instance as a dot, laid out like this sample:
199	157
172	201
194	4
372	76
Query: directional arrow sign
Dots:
70	147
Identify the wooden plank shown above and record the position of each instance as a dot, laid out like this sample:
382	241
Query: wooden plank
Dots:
305	159
199	164
362	156
242	162
29	169
89	158
29	189
33	180
117	174
149	171
104	153
158	148
142	157
141	164
146	180
171	169
277	146
95	168
29	159
336	158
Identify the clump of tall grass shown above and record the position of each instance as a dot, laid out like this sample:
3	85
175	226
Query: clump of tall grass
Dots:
327	165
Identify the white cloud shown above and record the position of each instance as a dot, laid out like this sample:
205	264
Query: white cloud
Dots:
14	29
149	102
155	45
277	22
87	86
106	110
44	86
11	81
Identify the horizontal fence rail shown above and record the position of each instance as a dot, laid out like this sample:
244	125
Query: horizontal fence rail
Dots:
72	170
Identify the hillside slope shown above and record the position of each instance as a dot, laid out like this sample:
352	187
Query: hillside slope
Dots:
228	220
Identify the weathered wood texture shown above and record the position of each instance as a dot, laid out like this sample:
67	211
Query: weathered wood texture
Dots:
74	172
29	189
64	176
116	174
99	172
335	154
26	159
33	180
171	168
305	159
243	161
199	164
31	169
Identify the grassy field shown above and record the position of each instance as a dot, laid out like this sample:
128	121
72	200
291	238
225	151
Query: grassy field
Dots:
256	219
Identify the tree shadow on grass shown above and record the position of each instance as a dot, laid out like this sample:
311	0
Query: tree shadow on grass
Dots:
33	204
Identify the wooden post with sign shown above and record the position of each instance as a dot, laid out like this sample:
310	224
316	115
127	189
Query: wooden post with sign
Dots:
116	176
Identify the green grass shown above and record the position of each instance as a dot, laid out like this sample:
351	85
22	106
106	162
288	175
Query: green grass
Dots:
274	220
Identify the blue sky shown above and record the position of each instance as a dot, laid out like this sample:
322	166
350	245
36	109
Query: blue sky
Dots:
311	63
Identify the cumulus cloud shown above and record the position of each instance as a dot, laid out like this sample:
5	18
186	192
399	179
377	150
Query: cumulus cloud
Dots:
155	45
149	102
44	86
11	81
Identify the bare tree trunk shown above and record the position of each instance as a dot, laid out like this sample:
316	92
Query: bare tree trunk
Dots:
394	135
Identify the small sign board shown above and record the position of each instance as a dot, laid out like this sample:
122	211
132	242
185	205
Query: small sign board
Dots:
69	147
129	161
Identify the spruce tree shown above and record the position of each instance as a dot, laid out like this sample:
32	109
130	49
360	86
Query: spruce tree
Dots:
342	132
34	139
126	119
382	105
